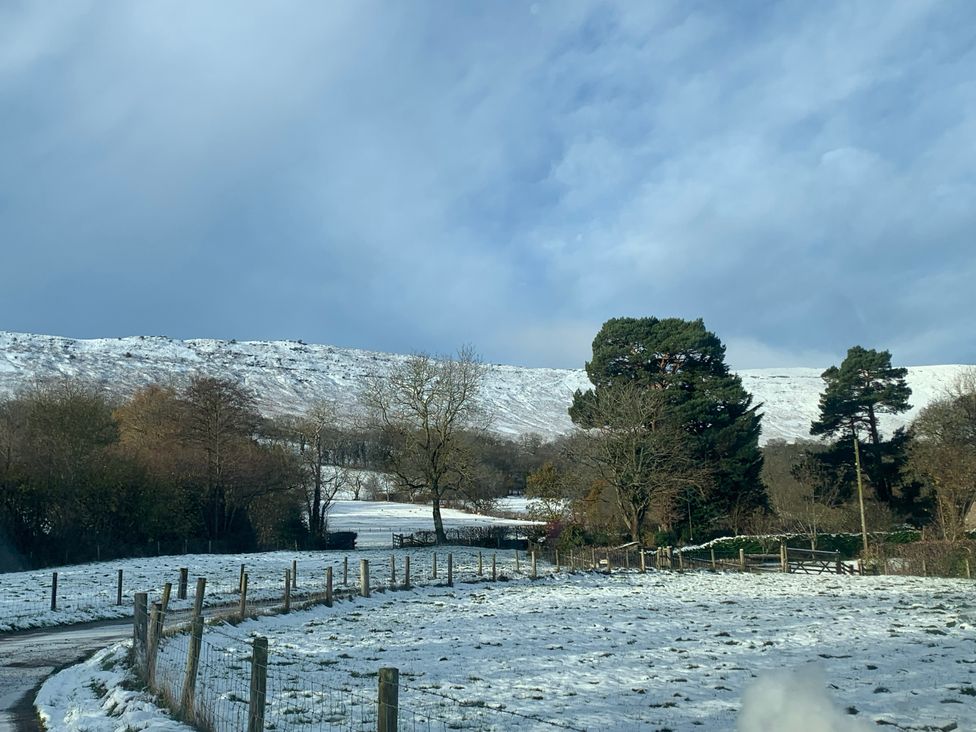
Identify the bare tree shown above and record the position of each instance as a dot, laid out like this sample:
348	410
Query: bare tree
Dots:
548	489
219	420
944	454
636	450
424	406
318	437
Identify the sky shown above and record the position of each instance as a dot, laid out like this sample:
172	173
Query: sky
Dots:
414	176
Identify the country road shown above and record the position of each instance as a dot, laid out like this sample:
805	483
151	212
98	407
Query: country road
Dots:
29	657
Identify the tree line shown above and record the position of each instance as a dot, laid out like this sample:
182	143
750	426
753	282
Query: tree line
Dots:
666	450
85	475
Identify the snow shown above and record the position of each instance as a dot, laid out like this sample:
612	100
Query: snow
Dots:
288	376
678	651
377	521
98	696
88	591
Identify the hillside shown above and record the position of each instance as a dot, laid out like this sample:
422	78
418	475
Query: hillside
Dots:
288	375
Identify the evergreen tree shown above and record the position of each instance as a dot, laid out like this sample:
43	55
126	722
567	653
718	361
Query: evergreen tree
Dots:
864	386
687	363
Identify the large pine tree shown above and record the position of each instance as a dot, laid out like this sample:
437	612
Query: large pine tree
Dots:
863	387
687	362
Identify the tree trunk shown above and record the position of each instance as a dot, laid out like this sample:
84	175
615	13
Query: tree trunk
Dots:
439	534
883	487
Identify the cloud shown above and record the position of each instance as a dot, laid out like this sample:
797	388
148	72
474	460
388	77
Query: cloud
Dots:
365	175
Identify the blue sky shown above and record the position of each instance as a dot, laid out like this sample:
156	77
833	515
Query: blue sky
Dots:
412	176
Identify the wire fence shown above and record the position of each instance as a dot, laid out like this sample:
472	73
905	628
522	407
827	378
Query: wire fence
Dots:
237	686
222	680
90	592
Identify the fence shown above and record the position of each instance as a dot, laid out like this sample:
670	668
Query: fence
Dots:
219	681
786	559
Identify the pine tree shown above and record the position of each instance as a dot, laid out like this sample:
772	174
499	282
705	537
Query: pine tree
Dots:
686	362
863	387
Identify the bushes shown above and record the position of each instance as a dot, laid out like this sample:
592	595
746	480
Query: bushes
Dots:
340	540
848	545
931	558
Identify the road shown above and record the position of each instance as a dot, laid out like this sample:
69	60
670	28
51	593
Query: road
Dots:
29	657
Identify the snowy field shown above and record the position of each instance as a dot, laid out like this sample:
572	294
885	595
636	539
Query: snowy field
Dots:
89	591
661	651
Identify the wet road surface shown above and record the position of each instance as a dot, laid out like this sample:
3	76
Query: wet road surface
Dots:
29	657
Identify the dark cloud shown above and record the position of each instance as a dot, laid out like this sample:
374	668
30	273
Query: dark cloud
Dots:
801	175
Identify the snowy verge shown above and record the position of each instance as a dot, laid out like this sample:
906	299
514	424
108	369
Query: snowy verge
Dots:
101	695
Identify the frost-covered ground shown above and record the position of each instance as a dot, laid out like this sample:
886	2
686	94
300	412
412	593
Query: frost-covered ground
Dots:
89	591
658	651
288	376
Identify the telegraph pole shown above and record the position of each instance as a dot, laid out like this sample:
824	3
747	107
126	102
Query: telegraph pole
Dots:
860	492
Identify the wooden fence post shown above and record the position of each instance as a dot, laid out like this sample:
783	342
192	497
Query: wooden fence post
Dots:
681	561
518	569
364	577
481	565
627	559
328	586
711	552
494	568
167	590
294	573
242	611
155	633
287	597
450	570
643	560
838	565
118	590
592	558
240	579
742	559
434	569
54	591
198	600
184	577
345	571
406	573
387	701
969	574
140	632
259	685
392	571
784	561
192	663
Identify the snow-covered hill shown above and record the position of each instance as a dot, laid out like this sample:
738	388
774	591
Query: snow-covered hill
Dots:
288	375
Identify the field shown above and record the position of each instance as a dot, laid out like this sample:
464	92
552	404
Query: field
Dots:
661	651
89	591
